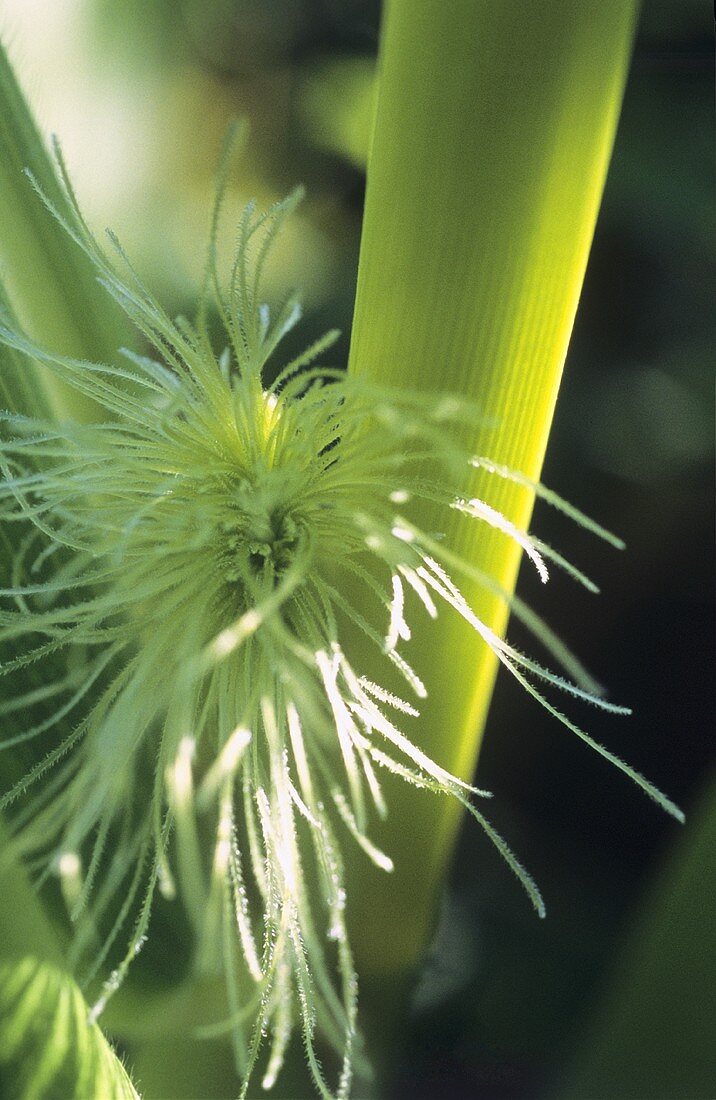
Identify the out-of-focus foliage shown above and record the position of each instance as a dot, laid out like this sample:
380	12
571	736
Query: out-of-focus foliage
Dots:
24	924
337	106
654	1031
49	281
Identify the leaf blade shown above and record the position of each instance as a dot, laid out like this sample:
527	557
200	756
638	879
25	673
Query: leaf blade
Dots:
47	1046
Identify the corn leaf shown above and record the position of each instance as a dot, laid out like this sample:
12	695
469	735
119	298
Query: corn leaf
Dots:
51	284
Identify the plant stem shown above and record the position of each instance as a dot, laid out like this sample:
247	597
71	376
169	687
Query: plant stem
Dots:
493	133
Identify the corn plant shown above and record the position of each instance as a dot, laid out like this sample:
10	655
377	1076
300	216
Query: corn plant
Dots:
251	626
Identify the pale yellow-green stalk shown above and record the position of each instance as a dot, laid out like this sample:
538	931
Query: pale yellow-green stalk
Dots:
494	128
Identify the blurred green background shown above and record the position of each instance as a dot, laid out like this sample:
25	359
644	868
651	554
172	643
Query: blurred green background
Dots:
613	995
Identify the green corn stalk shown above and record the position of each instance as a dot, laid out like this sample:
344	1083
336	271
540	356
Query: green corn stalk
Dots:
493	134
